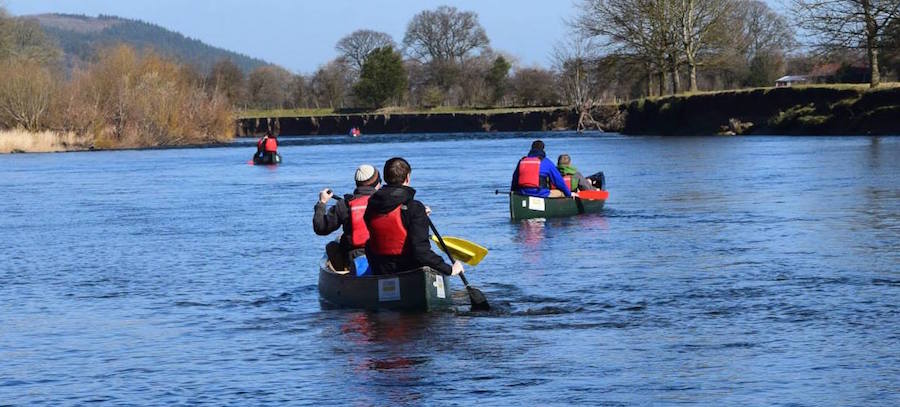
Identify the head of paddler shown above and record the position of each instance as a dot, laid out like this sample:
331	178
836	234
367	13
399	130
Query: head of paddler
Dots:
537	149
564	165
397	172
367	176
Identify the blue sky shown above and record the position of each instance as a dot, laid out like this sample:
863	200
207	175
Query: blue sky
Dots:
300	35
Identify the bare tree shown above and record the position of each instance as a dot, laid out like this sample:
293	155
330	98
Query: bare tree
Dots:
268	87
331	84
25	94
858	24
758	29
637	30
357	45
534	87
227	78
698	21
574	61
444	34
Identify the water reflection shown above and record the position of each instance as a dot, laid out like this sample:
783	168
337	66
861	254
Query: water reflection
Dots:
386	359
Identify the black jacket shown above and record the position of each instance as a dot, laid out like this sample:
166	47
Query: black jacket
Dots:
417	252
327	221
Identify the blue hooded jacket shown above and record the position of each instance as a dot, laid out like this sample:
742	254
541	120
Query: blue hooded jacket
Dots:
548	170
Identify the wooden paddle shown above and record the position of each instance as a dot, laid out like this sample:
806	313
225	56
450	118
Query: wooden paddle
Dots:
476	297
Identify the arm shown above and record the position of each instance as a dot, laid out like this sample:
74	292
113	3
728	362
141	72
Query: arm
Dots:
515	179
417	236
556	177
583	183
327	221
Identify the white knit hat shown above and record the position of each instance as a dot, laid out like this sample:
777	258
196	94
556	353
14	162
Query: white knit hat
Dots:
366	174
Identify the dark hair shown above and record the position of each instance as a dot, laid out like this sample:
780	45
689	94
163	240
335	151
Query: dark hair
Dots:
395	171
537	145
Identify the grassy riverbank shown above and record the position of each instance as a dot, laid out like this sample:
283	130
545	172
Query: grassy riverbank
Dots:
258	114
801	110
813	109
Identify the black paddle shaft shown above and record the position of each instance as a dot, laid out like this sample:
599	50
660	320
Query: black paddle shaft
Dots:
477	298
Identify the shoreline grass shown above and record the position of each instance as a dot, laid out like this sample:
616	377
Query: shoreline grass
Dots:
23	141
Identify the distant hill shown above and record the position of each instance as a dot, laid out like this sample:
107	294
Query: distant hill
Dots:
80	36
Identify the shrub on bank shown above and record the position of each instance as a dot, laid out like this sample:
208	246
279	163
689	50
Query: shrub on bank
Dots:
124	99
131	100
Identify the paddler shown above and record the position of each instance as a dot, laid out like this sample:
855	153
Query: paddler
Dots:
267	148
398	227
535	174
347	213
573	179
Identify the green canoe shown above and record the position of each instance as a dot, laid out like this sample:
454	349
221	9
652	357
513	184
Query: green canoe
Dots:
422	289
528	207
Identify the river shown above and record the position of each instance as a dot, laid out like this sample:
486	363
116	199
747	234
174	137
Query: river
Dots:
724	271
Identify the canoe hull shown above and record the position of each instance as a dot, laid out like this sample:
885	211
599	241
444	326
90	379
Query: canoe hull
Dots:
530	207
269	159
421	289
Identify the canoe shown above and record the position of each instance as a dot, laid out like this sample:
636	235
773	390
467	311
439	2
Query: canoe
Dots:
422	289
528	207
267	159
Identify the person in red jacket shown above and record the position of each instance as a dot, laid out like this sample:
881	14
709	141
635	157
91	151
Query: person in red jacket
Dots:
398	227
347	213
267	148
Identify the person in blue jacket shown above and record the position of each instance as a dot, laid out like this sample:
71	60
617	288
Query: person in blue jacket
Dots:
535	174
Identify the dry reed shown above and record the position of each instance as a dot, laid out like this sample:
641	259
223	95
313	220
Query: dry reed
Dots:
23	141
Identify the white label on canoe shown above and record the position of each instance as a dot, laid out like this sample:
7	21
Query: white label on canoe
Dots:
535	203
389	289
439	284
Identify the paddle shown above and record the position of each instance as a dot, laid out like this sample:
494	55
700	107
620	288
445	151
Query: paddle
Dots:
463	250
476	297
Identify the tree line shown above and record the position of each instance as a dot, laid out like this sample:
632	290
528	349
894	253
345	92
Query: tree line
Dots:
616	50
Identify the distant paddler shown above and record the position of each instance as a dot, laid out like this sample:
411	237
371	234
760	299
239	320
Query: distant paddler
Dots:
573	179
535	174
267	150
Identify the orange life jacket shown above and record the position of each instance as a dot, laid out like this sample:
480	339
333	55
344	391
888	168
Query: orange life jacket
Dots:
530	173
271	145
388	235
359	232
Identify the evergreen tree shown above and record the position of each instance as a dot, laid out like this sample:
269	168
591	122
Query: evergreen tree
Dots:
382	78
497	79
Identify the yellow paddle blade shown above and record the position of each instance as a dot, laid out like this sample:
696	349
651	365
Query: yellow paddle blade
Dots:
463	250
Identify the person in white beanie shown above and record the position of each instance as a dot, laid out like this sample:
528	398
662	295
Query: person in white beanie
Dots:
347	213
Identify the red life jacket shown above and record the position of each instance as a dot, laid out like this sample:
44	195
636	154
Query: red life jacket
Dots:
271	145
570	182
569	179
388	235
359	232
530	173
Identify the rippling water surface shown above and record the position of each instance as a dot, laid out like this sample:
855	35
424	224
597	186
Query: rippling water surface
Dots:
724	271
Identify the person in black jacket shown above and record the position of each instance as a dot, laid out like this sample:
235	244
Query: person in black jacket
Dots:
325	221
398	227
